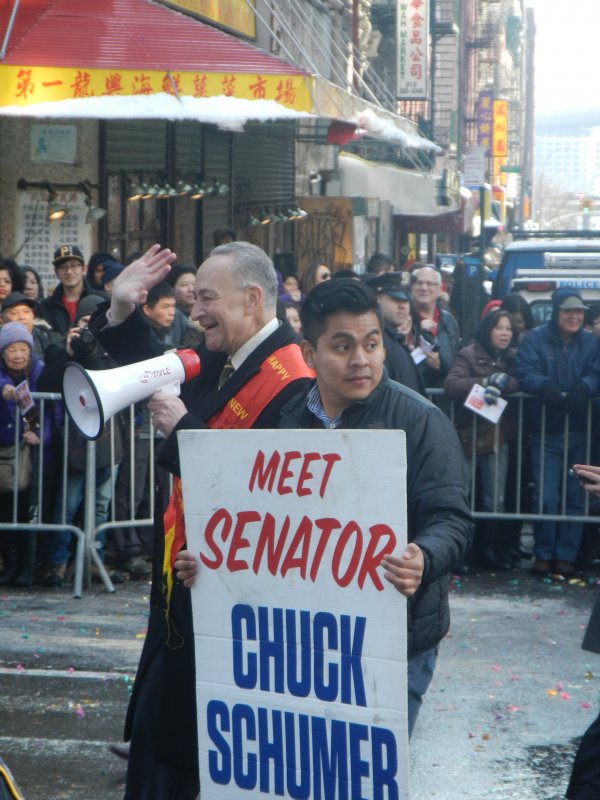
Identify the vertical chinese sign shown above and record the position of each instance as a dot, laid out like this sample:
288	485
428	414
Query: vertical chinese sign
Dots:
485	121
499	138
412	70
300	643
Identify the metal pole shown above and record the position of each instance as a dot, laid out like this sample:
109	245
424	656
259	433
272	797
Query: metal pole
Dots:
355	46
11	21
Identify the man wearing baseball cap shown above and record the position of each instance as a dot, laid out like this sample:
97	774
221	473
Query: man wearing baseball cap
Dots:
59	308
559	363
394	303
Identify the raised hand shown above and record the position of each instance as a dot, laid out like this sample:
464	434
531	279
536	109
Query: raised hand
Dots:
132	285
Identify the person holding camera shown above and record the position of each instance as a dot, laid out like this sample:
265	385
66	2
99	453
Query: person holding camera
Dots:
82	347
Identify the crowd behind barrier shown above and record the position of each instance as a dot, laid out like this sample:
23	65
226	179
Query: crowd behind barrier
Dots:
88	534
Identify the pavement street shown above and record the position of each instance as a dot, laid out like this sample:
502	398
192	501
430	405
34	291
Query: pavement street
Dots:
512	693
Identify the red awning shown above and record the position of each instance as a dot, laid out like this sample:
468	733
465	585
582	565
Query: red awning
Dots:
126	34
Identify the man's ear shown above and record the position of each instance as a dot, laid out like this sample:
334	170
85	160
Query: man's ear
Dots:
145	309
254	296
307	353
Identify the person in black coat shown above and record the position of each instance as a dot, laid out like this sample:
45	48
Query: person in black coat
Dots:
236	291
585	775
343	343
58	309
394	303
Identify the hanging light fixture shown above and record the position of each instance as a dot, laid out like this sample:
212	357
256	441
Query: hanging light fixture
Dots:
135	191
265	218
183	188
197	192
149	191
56	209
94	212
253	220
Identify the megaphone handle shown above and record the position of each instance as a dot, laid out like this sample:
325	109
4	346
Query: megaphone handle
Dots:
171	388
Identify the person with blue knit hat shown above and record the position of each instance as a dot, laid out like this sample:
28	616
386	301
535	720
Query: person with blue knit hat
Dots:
111	270
559	363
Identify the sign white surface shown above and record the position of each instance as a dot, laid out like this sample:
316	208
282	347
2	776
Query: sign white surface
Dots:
300	642
412	23
476	402
53	143
474	166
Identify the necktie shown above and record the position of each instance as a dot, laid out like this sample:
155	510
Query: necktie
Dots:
226	373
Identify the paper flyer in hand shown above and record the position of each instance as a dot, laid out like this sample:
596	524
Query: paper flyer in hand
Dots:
420	352
476	402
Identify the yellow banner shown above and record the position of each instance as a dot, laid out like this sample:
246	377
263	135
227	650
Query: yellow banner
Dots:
500	132
23	86
233	14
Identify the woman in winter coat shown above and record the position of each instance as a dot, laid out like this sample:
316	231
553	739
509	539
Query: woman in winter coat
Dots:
489	362
18	363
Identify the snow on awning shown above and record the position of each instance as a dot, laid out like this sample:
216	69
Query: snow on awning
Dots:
228	113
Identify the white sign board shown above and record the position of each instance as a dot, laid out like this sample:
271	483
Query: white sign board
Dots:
300	642
474	166
53	143
412	24
38	238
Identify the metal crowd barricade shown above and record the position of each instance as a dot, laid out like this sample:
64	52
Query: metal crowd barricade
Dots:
520	444
86	550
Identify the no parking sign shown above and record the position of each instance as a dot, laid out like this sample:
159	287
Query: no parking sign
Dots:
300	642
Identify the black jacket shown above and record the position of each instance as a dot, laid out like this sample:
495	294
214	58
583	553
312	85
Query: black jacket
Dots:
53	310
164	685
439	520
399	362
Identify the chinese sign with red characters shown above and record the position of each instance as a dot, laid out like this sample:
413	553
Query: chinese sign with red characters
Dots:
499	139
28	85
413	50
237	15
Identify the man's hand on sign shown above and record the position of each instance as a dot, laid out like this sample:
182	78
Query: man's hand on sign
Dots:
405	573
186	567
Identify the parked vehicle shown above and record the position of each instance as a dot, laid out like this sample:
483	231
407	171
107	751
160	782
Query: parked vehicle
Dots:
538	262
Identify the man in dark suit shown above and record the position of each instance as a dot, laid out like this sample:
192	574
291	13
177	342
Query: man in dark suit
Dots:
250	367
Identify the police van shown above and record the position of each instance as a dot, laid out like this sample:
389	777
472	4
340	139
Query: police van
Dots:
547	260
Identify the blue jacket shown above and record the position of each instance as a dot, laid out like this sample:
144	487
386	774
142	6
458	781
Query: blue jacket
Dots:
8	408
544	358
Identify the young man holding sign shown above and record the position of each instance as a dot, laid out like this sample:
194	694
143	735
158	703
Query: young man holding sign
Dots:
344	345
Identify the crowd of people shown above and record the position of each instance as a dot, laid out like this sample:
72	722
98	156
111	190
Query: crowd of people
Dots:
359	350
557	364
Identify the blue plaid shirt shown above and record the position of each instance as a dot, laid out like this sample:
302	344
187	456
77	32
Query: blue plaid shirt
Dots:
315	406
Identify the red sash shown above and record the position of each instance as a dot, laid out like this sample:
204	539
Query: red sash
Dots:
241	412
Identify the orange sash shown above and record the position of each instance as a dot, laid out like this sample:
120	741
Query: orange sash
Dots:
241	412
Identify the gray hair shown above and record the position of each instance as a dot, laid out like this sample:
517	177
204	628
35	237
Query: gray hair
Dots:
430	268
250	265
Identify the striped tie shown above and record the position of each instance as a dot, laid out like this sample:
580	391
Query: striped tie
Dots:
226	372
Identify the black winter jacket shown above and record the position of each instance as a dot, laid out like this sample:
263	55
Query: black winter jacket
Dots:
439	520
53	310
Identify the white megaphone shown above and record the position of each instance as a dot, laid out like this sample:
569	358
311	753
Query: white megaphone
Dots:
93	396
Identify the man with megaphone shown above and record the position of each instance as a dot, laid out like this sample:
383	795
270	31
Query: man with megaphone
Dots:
250	367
